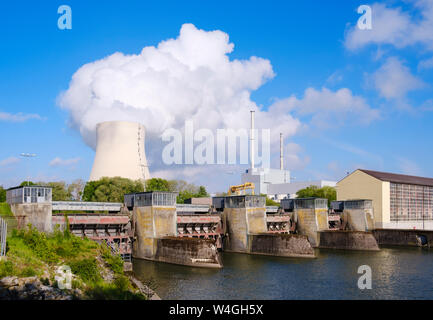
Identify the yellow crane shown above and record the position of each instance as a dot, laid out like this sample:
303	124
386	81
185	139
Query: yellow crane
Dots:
241	189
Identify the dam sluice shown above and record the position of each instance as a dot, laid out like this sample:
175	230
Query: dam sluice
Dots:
151	226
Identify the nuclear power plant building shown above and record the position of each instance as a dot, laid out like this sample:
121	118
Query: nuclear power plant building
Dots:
120	151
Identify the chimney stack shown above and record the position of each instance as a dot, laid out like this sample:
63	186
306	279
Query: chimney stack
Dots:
281	152
252	141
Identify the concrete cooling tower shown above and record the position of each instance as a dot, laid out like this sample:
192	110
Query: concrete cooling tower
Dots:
120	151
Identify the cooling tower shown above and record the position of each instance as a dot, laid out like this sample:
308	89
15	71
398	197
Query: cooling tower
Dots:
120	151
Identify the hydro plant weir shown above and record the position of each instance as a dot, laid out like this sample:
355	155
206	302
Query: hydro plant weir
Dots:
154	224
245	221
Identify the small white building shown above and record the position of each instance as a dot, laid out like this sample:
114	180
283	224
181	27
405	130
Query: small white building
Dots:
263	177
276	184
280	191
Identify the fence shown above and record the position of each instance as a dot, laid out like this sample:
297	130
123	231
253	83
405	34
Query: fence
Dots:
3	233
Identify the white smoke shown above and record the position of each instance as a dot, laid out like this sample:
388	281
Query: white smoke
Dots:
187	78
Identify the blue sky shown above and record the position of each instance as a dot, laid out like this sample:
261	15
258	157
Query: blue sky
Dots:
370	101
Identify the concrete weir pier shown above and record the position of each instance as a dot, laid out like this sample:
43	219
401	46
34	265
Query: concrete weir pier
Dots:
348	240
309	216
246	229
154	225
356	227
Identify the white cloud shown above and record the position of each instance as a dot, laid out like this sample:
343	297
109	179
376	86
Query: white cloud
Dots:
334	78
187	78
190	77
394	80
426	64
408	167
18	117
370	157
329	108
396	27
9	161
56	162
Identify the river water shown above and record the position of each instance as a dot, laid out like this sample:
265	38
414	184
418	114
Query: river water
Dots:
397	273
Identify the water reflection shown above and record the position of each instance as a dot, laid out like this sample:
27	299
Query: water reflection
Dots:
397	274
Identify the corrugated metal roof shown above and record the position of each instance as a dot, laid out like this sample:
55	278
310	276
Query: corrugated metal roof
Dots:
399	178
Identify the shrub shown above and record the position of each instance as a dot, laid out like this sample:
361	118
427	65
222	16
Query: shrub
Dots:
115	262
6	268
87	269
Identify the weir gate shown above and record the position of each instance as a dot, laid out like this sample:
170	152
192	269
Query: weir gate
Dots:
150	225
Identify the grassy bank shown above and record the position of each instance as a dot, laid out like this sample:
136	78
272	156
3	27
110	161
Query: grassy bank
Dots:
8	216
97	273
5	210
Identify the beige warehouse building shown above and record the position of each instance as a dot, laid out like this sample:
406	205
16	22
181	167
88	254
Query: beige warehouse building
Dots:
399	201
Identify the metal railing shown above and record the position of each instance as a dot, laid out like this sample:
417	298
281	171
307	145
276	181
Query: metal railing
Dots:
86	206
185	207
3	233
116	251
271	209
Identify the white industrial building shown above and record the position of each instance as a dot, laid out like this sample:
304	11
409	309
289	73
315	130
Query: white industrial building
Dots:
275	183
263	177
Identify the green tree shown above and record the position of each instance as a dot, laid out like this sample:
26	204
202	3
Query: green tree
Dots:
110	189
313	191
157	184
2	194
60	191
202	193
27	183
186	190
76	188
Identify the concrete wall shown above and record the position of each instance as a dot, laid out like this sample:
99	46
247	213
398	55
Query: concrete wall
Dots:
403	237
309	222
359	185
348	240
286	245
359	219
248	233
155	231
149	224
188	251
240	222
39	215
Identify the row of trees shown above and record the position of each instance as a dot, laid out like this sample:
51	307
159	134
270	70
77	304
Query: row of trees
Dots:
185	190
113	189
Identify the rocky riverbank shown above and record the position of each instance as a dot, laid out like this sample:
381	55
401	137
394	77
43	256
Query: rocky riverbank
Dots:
38	265
31	288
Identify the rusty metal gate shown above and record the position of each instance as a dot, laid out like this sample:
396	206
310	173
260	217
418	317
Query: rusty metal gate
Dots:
3	233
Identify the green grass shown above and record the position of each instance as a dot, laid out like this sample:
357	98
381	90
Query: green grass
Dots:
33	253
8	216
5	210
